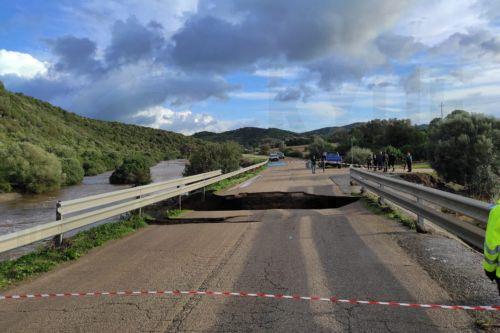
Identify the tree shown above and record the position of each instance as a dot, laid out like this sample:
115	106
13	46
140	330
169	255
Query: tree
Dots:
264	150
134	170
465	149
213	156
229	156
358	155
320	146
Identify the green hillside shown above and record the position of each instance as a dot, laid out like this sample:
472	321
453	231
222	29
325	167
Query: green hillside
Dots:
38	140
329	131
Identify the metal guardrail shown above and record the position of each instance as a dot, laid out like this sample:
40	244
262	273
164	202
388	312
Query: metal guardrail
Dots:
398	192
90	209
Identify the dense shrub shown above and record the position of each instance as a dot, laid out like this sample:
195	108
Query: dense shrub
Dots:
134	170
395	151
213	156
466	149
72	171
293	153
358	155
29	168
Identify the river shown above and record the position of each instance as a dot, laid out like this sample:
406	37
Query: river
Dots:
20	211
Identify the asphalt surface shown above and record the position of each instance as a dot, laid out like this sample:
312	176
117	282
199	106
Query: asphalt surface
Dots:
344	252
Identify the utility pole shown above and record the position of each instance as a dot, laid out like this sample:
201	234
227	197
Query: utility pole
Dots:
442	115
352	155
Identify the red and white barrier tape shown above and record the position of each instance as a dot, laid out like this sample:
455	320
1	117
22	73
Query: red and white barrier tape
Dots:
245	294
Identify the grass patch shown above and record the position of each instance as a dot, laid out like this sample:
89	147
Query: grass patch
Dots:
421	165
371	202
173	213
48	257
255	158
225	183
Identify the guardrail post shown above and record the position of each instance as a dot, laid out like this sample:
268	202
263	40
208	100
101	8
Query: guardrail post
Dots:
140	209
420	219
58	238
381	198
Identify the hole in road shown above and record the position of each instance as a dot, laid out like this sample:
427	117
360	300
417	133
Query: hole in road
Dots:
265	200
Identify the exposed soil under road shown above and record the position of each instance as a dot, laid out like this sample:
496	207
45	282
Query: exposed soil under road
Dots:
266	200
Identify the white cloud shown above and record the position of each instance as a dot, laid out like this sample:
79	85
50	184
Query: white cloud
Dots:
253	95
431	21
186	122
280	73
20	64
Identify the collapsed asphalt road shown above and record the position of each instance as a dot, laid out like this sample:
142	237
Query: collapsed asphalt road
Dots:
345	252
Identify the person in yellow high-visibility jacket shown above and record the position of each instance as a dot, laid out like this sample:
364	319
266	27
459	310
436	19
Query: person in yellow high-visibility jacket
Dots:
491	262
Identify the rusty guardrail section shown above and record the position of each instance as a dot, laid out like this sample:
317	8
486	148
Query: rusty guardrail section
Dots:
401	192
74	214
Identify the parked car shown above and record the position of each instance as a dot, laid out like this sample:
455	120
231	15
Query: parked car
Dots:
333	158
273	157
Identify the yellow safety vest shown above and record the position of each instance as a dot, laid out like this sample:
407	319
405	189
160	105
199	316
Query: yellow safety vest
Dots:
491	260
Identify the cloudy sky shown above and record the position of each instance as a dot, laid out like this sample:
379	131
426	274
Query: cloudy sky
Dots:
188	65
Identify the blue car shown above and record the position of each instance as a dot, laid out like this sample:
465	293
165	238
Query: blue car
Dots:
334	159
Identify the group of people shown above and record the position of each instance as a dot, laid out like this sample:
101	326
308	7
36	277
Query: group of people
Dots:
385	161
313	162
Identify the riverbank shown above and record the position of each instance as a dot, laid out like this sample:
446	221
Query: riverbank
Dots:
20	211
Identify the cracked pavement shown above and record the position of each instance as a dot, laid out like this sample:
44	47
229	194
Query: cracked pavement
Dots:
344	252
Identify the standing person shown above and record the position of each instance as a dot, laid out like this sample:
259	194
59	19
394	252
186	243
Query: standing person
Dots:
313	163
409	161
369	162
379	160
392	161
385	160
374	162
323	161
491	263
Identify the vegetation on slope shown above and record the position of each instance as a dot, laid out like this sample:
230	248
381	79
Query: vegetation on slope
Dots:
45	147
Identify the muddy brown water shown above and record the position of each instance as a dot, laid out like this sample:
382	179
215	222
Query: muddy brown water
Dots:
19	211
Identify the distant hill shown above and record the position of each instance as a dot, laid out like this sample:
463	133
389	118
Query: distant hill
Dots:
249	136
328	131
255	136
